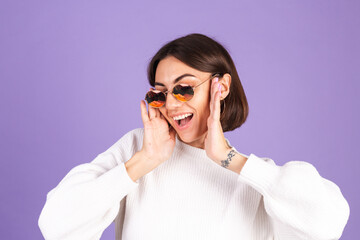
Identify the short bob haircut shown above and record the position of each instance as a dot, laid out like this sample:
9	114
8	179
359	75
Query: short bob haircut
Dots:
205	54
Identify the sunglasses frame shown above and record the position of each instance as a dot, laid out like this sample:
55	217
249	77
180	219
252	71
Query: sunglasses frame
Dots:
193	88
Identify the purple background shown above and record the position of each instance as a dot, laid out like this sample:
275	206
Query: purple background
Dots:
73	74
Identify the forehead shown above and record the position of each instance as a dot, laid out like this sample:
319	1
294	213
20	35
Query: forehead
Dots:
170	68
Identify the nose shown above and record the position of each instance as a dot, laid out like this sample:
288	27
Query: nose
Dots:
171	101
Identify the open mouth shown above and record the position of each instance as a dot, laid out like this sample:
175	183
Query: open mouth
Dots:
185	122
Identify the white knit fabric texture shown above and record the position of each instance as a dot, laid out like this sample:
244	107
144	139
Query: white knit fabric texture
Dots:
190	197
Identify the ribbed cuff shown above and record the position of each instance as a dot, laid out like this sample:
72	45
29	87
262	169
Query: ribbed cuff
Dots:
259	174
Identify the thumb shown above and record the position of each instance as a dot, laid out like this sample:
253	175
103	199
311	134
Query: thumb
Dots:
206	134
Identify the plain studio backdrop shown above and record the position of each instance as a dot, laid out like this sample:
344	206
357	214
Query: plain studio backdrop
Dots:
73	74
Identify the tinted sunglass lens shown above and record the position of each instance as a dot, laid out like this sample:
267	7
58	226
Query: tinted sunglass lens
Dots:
183	92
155	98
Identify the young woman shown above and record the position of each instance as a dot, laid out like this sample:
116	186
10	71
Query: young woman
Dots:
180	178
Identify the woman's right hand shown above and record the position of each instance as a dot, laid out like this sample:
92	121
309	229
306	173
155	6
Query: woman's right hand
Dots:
159	139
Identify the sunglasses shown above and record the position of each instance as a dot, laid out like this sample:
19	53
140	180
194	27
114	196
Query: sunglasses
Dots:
182	92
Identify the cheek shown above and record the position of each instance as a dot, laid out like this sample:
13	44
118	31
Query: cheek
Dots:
203	110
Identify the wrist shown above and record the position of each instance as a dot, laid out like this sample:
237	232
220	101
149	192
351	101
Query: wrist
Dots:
233	160
137	166
147	161
228	155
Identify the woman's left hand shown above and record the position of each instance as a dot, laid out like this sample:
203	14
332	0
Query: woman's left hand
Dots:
216	146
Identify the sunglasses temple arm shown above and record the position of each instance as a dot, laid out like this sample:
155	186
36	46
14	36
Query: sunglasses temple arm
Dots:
213	76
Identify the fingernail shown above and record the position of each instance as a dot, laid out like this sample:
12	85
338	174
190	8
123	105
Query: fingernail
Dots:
220	87
216	79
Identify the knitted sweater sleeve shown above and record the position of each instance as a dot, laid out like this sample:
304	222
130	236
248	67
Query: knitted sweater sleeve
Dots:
87	199
300	203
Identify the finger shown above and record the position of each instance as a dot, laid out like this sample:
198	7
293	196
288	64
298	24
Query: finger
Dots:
217	109
144	114
152	112
157	112
213	94
213	89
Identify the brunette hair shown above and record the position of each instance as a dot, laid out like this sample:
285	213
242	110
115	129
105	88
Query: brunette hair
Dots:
205	54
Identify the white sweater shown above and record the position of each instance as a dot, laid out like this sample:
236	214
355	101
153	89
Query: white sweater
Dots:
189	196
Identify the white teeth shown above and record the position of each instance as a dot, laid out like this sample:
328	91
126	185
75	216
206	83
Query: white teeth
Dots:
182	116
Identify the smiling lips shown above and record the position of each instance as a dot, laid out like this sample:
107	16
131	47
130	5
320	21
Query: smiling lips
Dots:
179	117
182	121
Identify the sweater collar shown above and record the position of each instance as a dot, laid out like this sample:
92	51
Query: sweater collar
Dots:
185	148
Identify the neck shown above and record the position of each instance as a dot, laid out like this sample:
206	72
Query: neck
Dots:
198	143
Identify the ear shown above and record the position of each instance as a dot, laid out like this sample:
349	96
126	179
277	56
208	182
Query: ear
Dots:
225	82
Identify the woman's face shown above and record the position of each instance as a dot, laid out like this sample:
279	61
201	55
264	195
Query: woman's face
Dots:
169	69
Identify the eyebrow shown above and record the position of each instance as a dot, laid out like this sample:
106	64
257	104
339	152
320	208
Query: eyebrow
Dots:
177	79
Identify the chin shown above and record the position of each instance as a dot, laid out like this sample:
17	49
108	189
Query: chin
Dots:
189	138
185	138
